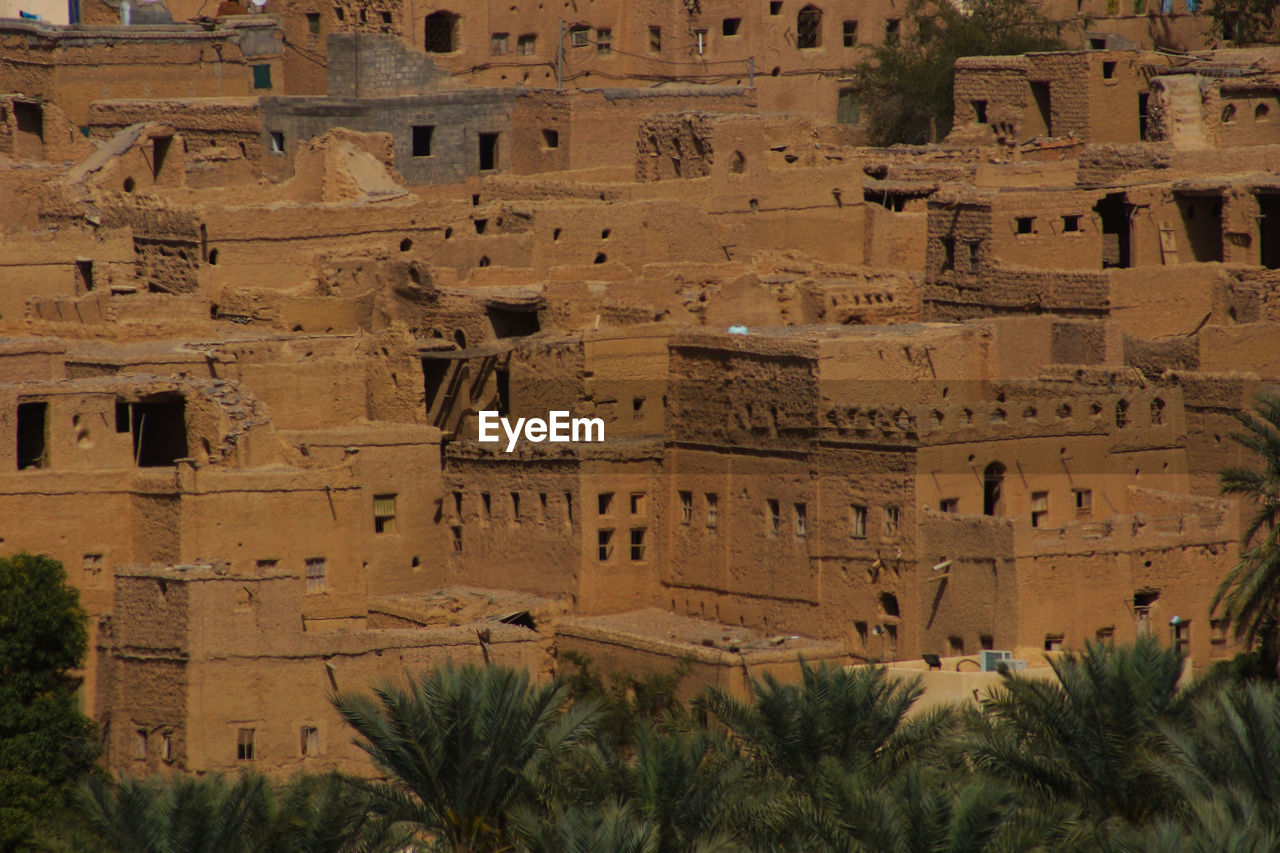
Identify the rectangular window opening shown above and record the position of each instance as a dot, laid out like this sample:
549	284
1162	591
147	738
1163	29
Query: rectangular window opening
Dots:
975	257
276	142
604	545
891	521
384	513
422	134
604	503
775	7
309	739
1039	508
730	26
858	526
948	253
686	507
515	506
245	745
488	152
850	33
498	43
802	520
1108	70
1084	502
550	138
527	44
313	22
159	426
1026	224
655	39
637	545
262	76
979	111
775	516
140	744
33	435
315	573
579	36
713	511
1070	224
604	42
949	505
637	503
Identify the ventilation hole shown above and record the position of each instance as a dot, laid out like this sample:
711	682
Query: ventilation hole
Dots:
484	260
600	258
129	185
448	232
406	244
481	224
213	257
604	235
555	235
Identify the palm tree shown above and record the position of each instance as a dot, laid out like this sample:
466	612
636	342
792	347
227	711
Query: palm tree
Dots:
1250	593
1086	737
463	747
856	716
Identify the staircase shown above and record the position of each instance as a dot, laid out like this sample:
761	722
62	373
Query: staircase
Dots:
1184	118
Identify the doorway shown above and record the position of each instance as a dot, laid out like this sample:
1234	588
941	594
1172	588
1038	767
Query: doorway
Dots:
1117	230
1269	230
993	489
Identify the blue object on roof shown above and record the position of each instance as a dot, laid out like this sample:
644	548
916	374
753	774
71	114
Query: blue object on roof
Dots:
737	330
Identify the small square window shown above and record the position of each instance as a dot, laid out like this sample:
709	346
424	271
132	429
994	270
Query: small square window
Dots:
1182	636
775	516
1039	508
891	29
858	526
313	22
310	740
244	745
604	503
655	39
91	565
604	544
384	513
457	539
775	7
1108	70
1070	223
339	13
604	42
385	17
498	43
550	138
850	31
802	520
422	134
891	521
730	26
1053	642
276	142
1026	224
713	511
637	545
637	403
262	76
979	111
527	44
637	503
579	36
140	744
315	574
1218	638
686	507
975	257
949	505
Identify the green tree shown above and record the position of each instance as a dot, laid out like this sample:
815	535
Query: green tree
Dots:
1088	737
907	85
1246	22
1249	596
464	747
46	744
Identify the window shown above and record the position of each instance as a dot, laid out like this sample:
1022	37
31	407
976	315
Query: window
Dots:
1182	636
33	435
892	26
1108	70
499	43
604	42
848	106
515	506
775	516
1053	642
1143	601
276	144
1025	224
309	740
1157	412
166	747
527	44
850	33
91	565
637	503
686	507
1122	413
858	528
457	539
140	744
384	513
891	518
604	503
568	507
802	520
313	22
1106	634
809	28
730	26
339	13
550	138
1084	502
974	257
979	111
1218	638
1070	223
637	403
441	32
579	36
486	506
948	253
488	151
775	7
637	544
713	510
1039	508
262	76
385	18
949	505
315	574
244	745
604	544
655	39
457	504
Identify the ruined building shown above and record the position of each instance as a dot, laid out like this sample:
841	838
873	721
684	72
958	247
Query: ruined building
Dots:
260	275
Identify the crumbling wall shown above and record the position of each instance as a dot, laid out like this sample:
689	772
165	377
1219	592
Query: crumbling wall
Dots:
674	146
